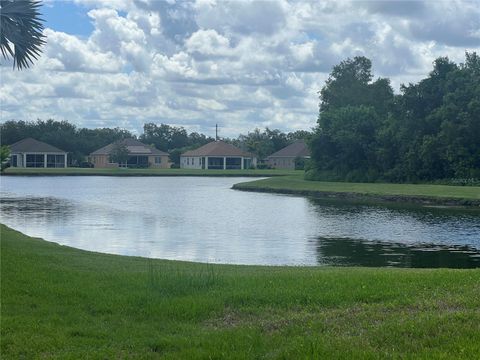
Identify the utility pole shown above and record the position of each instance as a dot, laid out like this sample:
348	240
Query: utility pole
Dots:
216	132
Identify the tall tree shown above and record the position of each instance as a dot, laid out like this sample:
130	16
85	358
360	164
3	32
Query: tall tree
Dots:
350	84
119	153
428	132
352	108
21	31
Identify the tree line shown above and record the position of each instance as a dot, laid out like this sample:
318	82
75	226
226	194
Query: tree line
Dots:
80	142
430	131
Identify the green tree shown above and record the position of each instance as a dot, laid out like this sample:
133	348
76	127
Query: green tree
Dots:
4	156
345	145
165	137
119	153
350	84
298	135
352	111
21	35
428	132
257	142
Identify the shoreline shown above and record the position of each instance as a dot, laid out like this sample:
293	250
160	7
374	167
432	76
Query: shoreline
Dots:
353	196
291	182
145	172
419	194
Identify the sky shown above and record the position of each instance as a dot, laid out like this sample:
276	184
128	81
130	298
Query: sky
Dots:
239	64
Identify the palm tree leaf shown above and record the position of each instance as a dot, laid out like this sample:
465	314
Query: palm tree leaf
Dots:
21	26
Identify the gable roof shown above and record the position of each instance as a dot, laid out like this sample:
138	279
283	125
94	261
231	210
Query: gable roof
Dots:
218	148
32	145
298	149
134	147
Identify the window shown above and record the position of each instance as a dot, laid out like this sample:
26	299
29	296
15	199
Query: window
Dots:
215	162
13	160
188	161
35	160
234	163
158	159
137	161
55	161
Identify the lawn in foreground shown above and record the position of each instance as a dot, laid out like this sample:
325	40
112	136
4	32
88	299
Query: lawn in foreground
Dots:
59	302
296	183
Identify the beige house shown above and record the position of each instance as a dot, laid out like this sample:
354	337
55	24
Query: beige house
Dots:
31	153
140	156
217	155
285	158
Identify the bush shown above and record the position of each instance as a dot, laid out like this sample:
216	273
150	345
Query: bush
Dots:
299	163
138	166
86	164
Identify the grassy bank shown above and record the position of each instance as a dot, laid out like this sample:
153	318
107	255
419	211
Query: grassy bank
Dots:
145	172
59	302
437	194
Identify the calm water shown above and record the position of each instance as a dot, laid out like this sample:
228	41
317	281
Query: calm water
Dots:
202	219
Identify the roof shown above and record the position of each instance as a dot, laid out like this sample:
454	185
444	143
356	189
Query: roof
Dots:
134	147
298	149
217	148
32	145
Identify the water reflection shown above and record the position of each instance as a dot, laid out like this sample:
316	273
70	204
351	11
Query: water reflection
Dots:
355	252
202	219
405	224
37	208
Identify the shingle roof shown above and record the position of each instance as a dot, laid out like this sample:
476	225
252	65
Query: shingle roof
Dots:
298	148
134	147
32	145
217	148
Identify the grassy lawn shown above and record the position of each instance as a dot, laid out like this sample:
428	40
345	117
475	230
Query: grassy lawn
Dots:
296	184
58	302
148	172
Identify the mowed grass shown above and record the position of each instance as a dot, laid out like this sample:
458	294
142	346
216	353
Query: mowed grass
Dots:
296	183
147	172
59	302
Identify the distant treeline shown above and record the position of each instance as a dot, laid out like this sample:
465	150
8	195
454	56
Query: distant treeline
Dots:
430	131
80	142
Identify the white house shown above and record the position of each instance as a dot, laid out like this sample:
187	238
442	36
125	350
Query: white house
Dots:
217	155
31	153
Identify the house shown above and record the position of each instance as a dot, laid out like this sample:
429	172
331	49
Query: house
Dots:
140	156
31	153
285	158
217	155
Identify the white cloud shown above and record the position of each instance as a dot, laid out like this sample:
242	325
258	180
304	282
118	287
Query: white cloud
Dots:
208	42
241	64
65	52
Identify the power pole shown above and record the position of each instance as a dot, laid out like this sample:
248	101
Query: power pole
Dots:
216	132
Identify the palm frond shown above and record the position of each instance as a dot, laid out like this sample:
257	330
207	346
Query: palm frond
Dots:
21	31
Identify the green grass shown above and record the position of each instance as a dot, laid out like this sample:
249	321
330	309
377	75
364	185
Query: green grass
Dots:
147	172
59	302
296	184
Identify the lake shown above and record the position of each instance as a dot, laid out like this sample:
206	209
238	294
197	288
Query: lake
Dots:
202	219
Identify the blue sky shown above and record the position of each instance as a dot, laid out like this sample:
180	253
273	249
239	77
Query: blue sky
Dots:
67	17
242	64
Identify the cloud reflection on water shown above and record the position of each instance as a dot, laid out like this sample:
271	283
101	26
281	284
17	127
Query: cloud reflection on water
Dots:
202	219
